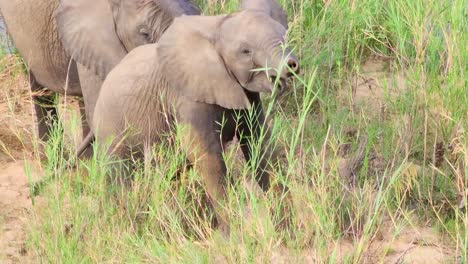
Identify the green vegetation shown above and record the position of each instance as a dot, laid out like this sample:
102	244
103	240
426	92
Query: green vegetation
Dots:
385	78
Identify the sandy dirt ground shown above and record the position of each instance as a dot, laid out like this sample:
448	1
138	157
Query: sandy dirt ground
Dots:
412	245
15	207
16	157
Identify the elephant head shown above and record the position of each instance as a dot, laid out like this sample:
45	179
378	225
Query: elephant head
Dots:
217	59
139	22
99	33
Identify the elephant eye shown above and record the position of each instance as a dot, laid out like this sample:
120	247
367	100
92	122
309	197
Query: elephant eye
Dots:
246	51
145	33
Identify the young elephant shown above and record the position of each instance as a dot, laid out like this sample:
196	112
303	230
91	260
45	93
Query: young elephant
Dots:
202	73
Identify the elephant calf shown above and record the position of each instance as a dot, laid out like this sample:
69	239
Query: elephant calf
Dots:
201	74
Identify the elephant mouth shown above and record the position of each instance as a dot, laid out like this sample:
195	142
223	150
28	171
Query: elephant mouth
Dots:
278	85
261	82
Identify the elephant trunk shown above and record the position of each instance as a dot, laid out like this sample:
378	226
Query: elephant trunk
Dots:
283	63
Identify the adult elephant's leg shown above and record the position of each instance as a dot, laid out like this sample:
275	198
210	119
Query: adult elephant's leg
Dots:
45	110
86	129
90	87
85	126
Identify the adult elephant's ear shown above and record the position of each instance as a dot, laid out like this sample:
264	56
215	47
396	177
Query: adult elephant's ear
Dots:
270	7
87	31
193	67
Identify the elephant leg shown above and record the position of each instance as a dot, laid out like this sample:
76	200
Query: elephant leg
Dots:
204	152
85	126
90	86
86	129
252	129
45	110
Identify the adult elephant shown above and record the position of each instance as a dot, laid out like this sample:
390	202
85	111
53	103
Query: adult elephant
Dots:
71	45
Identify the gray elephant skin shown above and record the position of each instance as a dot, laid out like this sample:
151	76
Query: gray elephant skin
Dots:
158	85
71	45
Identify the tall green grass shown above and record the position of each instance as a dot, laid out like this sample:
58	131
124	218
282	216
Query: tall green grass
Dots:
413	171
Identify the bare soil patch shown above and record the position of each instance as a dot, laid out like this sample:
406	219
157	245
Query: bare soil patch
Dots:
375	82
15	206
15	153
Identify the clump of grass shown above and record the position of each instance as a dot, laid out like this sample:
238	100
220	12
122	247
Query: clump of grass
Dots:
412	174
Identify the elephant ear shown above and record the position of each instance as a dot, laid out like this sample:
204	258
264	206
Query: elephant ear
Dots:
193	67
270	7
87	31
